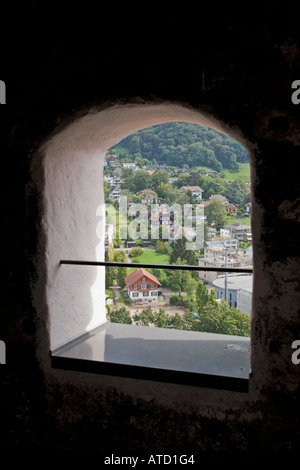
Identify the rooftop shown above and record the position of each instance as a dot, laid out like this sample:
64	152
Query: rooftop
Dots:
137	274
235	282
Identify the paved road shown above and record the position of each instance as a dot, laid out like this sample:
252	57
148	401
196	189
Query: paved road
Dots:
117	291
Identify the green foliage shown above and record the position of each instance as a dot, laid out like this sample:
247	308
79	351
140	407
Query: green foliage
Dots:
179	251
215	318
211	318
236	192
161	319
216	214
178	278
163	247
160	274
145	318
135	252
174	299
176	322
177	143
120	316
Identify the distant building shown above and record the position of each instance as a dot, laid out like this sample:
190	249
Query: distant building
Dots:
196	191
228	242
161	217
244	299
239	231
249	252
214	257
112	158
212	232
224	233
232	208
239	291
248	207
148	196
114	194
219	197
142	285
113	180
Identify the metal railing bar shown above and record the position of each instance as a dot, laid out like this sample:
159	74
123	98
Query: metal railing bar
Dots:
185	267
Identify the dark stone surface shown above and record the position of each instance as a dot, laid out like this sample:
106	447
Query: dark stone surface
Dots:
240	71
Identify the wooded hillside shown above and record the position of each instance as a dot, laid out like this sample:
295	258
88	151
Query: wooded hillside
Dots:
179	143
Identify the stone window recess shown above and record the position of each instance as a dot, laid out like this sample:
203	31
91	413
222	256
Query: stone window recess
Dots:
74	210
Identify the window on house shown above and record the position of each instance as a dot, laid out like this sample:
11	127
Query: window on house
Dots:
175	276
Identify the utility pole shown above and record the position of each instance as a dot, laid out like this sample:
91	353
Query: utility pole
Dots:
226	275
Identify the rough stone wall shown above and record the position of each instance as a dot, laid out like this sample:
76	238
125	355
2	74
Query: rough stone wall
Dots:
239	72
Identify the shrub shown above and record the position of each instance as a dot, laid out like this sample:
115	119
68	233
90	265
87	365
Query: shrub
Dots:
174	299
135	252
120	316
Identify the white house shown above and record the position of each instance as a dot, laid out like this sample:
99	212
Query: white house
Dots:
239	231
115	193
196	191
148	196
224	233
222	241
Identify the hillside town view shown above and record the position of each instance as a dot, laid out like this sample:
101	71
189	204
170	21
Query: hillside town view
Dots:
179	194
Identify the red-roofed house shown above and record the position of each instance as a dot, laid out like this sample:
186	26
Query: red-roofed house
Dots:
112	158
196	191
142	284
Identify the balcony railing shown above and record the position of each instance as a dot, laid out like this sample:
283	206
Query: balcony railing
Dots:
186	267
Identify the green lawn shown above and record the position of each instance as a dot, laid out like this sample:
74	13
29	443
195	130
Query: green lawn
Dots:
151	257
245	221
117	150
243	173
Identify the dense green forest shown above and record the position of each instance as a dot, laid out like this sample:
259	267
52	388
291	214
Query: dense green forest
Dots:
179	143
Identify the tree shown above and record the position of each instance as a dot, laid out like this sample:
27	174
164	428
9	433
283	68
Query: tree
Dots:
121	272
141	180
233	321
189	289
178	278
202	297
110	275
159	177
176	322
120	316
173	299
235	192
216	214
135	252
161	319
179	251
209	318
145	318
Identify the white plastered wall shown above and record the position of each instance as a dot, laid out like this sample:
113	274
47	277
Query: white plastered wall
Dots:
74	209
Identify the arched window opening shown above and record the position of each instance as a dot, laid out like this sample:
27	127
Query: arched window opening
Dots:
179	194
77	229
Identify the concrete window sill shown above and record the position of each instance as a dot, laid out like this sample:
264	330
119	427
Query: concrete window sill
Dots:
164	355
